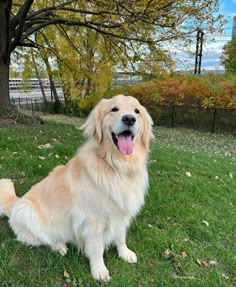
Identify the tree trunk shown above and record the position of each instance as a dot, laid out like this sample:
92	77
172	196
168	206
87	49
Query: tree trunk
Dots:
65	88
38	76
5	103
54	90
52	84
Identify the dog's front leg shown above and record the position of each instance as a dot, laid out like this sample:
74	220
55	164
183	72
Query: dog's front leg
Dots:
94	249
123	251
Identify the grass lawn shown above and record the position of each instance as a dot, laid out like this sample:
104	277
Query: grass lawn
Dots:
184	236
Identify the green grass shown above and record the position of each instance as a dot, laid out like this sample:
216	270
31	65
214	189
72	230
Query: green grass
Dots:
190	210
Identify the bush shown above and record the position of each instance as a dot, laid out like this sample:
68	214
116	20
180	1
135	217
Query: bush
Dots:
191	90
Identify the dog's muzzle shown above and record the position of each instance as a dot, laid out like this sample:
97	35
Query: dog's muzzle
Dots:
123	135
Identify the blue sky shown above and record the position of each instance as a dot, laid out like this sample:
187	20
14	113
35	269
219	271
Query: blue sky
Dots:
213	50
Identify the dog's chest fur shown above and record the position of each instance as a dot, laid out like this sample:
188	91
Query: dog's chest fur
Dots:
123	184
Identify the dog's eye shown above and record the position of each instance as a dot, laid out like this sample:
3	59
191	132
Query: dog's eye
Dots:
137	111
115	109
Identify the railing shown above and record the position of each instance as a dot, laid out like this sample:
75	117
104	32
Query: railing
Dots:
210	119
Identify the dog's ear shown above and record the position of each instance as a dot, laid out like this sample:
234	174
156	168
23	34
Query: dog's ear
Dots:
93	125
147	130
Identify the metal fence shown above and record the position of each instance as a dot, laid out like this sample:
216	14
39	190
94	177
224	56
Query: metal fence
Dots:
210	119
36	104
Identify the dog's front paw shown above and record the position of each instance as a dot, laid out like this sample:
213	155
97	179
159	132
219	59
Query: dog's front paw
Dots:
61	248
128	256
101	274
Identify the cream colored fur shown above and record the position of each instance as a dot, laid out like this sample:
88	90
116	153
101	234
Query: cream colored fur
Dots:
91	200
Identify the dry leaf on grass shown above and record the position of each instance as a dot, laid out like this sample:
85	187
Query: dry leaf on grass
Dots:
21	181
213	263
42	157
44	146
183	254
170	255
201	263
225	276
205	222
66	274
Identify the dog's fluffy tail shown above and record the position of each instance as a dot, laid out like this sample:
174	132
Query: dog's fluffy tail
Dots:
7	196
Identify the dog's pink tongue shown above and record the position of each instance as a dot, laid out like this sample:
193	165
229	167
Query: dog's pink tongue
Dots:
125	144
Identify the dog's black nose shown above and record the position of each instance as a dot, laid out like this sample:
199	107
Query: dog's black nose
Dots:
128	120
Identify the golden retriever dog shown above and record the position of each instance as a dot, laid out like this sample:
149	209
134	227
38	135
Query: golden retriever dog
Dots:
91	200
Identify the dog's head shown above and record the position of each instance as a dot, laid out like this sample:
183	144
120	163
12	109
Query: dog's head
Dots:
121	122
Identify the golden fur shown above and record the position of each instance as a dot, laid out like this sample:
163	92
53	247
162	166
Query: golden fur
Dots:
91	200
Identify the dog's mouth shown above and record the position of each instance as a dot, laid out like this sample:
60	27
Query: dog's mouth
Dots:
124	141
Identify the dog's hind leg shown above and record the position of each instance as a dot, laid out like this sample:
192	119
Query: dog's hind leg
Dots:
26	224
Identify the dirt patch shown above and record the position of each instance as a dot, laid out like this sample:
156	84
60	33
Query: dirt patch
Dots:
9	123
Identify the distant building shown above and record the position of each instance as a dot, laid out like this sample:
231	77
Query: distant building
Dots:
234	28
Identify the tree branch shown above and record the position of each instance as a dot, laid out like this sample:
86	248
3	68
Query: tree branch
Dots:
22	13
18	21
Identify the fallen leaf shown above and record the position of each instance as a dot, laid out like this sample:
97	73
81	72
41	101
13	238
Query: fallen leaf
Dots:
176	264
225	276
201	263
42	146
205	222
66	274
167	254
42	157
183	254
21	181
230	175
188	174
213	263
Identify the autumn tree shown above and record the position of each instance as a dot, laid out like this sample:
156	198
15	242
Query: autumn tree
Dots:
228	57
124	24
155	63
84	60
